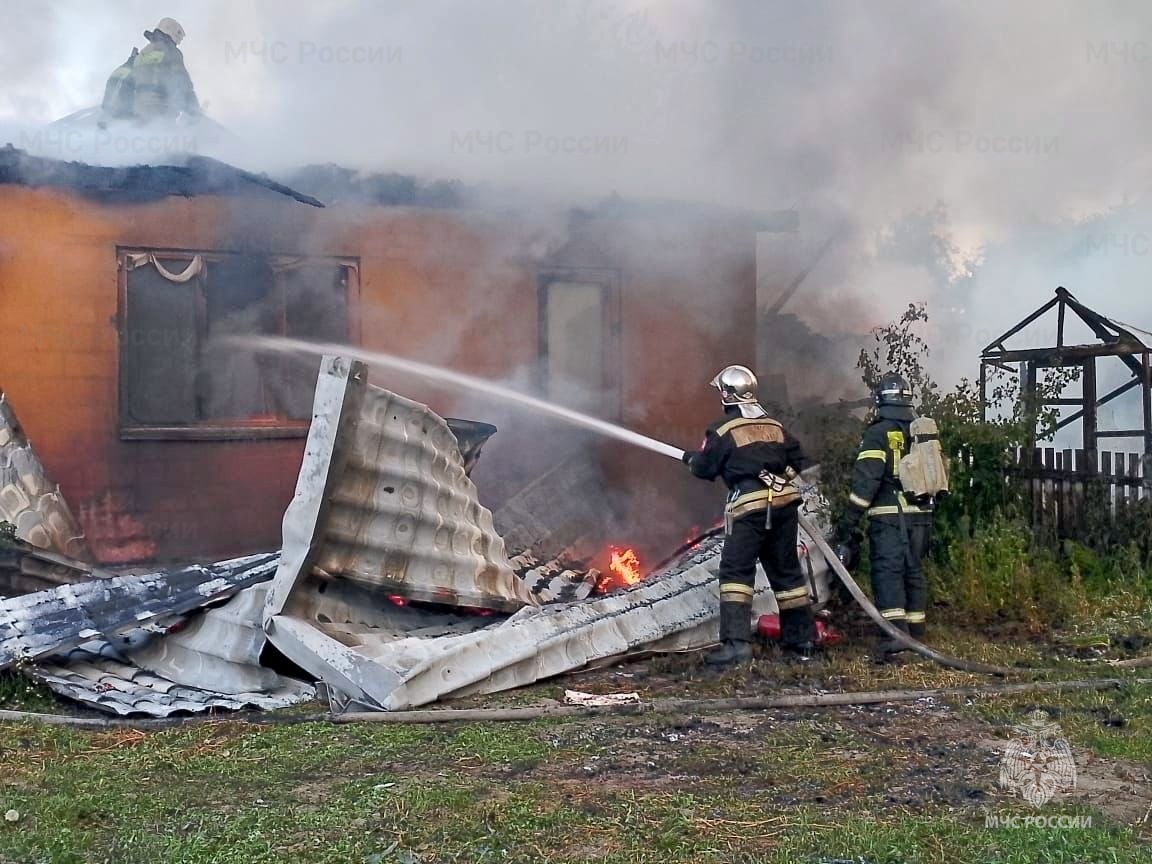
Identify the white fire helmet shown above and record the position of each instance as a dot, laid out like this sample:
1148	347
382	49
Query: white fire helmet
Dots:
737	385
171	28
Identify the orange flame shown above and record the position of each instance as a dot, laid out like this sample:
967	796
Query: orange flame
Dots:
626	565
625	570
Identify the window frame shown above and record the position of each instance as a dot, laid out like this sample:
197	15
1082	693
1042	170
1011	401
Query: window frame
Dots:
215	430
608	280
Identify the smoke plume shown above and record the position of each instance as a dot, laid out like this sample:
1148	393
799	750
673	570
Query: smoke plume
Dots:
979	154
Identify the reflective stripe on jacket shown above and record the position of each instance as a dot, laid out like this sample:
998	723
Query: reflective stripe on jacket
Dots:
739	450
876	485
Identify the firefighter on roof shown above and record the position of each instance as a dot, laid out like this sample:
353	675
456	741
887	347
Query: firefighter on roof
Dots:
759	462
153	82
900	524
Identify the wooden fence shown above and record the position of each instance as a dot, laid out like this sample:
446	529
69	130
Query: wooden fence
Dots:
1070	497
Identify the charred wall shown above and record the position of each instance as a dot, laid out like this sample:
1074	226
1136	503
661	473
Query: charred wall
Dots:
460	288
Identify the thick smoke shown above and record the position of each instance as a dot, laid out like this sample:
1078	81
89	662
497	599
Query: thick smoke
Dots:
978	154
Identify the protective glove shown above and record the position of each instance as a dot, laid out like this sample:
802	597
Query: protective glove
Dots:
849	554
689	455
848	540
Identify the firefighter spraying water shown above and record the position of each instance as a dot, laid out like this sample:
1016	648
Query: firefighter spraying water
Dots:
759	462
747	410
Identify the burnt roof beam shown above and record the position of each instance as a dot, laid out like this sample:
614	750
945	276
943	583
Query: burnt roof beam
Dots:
998	344
1070	355
1105	329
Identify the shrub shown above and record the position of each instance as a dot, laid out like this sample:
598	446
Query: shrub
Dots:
997	574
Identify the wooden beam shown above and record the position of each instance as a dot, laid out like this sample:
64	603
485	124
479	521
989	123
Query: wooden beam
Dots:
1121	433
1070	355
1119	391
1146	367
1023	324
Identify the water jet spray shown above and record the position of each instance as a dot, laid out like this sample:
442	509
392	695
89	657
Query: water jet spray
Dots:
466	382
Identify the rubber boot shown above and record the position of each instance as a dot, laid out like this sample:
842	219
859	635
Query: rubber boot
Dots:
735	636
798	633
917	632
887	648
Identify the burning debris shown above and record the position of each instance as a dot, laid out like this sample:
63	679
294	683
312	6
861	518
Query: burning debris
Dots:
624	570
397	657
393	589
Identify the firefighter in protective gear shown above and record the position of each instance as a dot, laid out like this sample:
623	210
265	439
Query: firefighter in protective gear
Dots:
153	82
120	91
899	529
758	461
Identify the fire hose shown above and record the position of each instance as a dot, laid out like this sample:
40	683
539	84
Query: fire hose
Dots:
895	633
883	623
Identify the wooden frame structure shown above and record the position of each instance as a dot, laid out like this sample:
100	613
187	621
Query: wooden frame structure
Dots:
1116	341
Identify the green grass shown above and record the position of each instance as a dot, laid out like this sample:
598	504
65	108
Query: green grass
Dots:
877	785
1112	723
801	788
18	693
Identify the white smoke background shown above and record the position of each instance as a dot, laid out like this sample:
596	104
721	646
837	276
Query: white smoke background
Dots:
980	154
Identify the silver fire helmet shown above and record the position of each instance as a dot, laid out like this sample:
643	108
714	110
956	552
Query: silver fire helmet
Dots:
737	385
170	27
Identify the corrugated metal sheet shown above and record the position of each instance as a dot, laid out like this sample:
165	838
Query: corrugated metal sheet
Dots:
553	528
383	502
29	499
24	569
212	664
99	676
55	620
675	610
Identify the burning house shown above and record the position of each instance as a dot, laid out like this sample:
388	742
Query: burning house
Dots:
392	588
408	570
123	286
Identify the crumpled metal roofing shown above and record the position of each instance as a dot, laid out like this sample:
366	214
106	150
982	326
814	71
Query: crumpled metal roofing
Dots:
29	499
675	610
383	501
212	664
51	621
97	675
553	527
398	661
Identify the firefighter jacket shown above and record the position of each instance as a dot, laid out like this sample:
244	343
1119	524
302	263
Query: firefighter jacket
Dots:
740	451
161	81
876	488
119	98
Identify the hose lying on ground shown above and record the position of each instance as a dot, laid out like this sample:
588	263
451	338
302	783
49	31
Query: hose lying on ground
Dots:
899	635
658	706
862	599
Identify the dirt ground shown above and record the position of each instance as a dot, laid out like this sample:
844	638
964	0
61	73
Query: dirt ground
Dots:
906	755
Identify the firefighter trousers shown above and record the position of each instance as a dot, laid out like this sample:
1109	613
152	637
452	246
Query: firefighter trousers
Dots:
897	558
751	540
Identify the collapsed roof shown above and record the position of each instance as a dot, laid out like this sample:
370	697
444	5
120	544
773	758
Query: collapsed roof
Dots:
393	588
138	184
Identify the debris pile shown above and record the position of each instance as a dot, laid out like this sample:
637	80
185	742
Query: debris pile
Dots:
393	588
